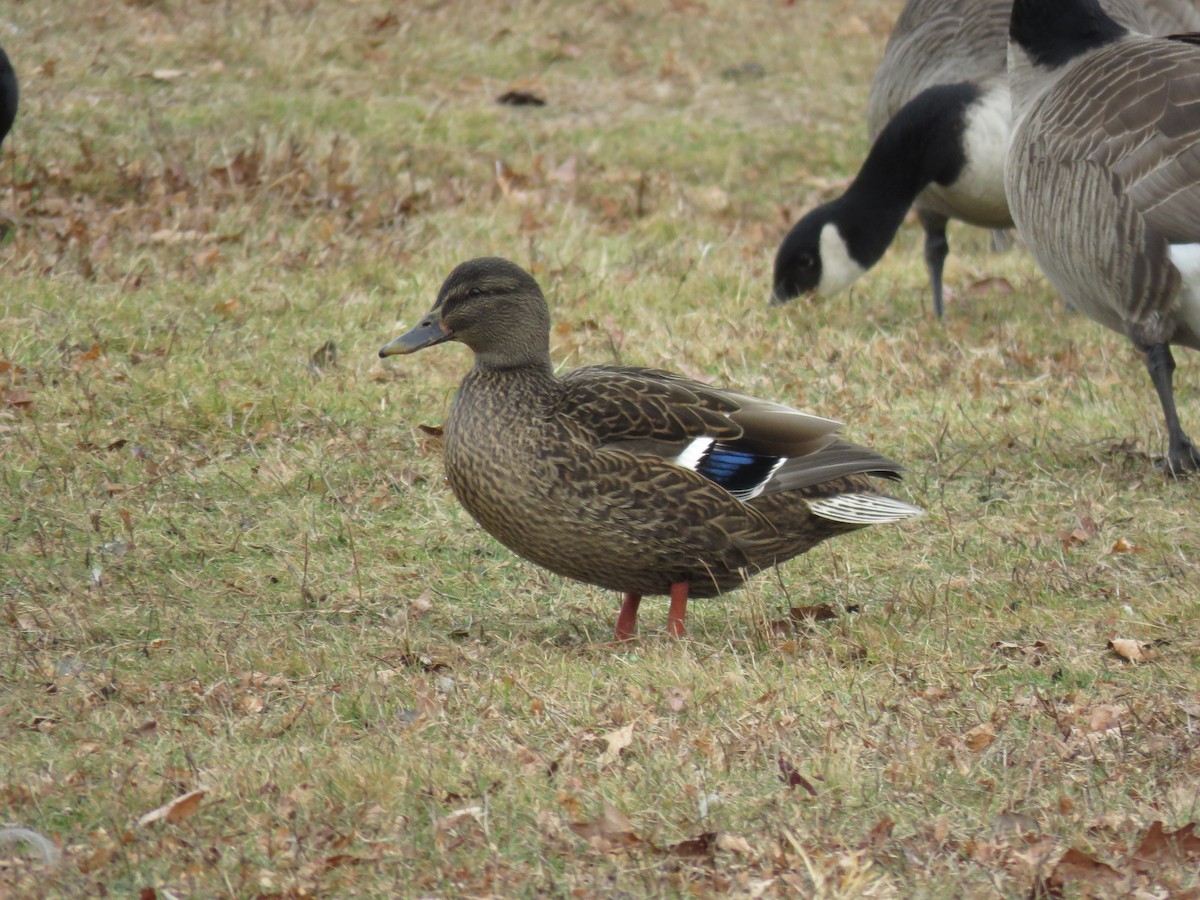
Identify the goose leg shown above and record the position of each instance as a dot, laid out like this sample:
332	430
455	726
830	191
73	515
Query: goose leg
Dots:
1182	456
677	615
627	620
937	248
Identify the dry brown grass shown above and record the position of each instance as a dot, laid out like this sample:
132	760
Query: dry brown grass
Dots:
228	562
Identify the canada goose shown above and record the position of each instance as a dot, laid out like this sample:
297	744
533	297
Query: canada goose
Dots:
939	115
8	95
1103	176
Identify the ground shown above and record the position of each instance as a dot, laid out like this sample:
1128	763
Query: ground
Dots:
253	648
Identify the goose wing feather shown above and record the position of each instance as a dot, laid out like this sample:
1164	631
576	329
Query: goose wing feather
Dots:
1147	132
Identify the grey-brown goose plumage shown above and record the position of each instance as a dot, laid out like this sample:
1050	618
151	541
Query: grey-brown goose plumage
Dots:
636	480
1103	177
939	118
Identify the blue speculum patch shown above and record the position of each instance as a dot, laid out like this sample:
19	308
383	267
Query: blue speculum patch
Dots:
740	472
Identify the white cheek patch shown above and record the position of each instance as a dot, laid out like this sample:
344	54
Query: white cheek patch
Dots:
1186	258
838	268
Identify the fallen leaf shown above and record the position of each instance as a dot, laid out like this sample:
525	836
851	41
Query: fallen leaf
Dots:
617	741
177	810
1160	846
1105	717
1077	866
18	398
520	98
1083	532
992	285
229	308
613	827
677	699
979	738
325	356
1125	546
702	847
809	614
792	778
732	843
1130	650
879	836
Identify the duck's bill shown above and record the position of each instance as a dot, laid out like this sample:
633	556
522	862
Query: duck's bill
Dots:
426	333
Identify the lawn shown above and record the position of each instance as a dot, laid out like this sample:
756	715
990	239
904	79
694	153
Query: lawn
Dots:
251	645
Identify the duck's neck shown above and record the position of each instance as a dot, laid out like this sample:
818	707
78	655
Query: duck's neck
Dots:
533	365
922	144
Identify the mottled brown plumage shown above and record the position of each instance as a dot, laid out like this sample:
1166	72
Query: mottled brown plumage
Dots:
1103	178
581	473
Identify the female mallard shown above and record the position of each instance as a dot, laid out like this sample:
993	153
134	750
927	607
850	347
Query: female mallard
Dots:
636	480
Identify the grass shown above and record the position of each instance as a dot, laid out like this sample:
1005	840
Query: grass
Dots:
228	563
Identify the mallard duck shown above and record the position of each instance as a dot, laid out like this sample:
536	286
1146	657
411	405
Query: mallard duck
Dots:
637	480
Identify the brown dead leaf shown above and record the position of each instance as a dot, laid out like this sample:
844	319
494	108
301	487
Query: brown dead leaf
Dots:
182	807
520	98
1123	545
1083	532
1105	717
853	26
980	737
732	843
1017	648
612	828
702	847
677	699
228	308
792	778
1160	847
879	836
992	285
18	399
617	741
1130	650
418	606
1075	866
805	615
325	356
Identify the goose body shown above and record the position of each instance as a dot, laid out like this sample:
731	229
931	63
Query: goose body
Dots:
939	117
636	480
1104	178
9	95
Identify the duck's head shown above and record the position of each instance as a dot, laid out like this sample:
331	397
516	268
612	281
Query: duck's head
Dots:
815	258
494	307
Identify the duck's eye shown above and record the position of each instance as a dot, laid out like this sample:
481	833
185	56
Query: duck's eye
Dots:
806	261
475	292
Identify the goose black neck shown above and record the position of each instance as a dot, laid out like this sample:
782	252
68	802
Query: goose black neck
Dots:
1054	32
924	143
8	95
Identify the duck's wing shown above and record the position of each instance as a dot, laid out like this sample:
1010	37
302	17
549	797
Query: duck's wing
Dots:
622	404
745	445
